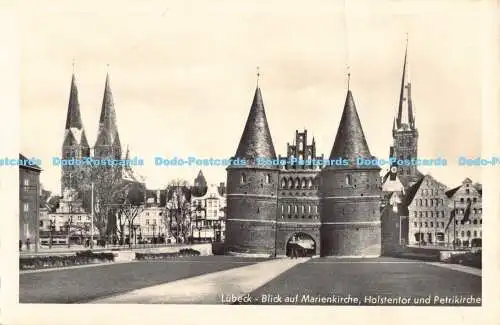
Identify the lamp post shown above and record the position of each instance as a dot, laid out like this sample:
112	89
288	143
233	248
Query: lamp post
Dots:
135	234
197	221
140	234
92	217
454	223
69	222
51	230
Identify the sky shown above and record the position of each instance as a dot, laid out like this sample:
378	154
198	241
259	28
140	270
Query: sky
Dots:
183	75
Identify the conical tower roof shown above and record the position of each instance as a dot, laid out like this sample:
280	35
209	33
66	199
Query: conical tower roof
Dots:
73	117
108	131
200	179
405	105
350	142
256	141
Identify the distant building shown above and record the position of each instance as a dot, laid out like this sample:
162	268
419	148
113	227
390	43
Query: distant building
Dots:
200	185
151	223
394	218
391	184
29	204
394	215
428	211
208	214
467	228
69	221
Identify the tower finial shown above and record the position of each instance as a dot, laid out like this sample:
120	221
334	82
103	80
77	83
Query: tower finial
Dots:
258	76
348	78
73	64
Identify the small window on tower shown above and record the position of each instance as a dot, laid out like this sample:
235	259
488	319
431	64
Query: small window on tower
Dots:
348	179
268	178
243	178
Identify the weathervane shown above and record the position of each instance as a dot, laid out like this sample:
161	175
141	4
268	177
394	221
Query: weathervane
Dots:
348	77
258	76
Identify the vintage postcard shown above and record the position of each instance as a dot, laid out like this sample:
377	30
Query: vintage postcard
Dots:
284	153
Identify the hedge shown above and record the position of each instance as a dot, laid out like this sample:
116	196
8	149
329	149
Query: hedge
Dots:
80	258
468	259
160	256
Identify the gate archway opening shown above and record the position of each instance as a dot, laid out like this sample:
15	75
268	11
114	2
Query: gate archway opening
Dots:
300	245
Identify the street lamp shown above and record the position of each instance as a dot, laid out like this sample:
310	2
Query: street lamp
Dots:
69	222
52	227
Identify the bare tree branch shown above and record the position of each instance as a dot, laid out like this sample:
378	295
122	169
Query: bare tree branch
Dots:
178	209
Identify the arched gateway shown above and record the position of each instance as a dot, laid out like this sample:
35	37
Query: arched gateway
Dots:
302	244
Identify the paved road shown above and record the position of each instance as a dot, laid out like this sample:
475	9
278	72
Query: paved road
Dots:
375	278
167	281
84	284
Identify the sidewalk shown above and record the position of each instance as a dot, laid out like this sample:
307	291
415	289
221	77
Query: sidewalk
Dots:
458	267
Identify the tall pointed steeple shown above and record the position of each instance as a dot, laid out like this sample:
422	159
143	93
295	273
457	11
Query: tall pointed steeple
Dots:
108	140
73	117
404	131
405	103
127	154
107	118
256	141
75	143
74	130
350	142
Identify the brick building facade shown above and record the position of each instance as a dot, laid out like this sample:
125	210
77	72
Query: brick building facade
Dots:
29	204
252	188
298	195
271	205
467	231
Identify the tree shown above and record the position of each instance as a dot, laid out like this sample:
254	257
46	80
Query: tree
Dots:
178	208
131	206
109	192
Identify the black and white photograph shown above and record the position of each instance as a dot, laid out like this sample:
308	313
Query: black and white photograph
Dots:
284	153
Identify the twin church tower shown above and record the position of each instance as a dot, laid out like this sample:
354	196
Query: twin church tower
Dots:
75	144
337	208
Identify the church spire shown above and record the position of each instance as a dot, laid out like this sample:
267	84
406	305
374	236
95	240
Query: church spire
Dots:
108	139
73	118
350	142
405	102
107	117
127	154
256	141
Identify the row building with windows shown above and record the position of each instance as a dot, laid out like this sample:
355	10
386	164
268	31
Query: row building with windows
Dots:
29	205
